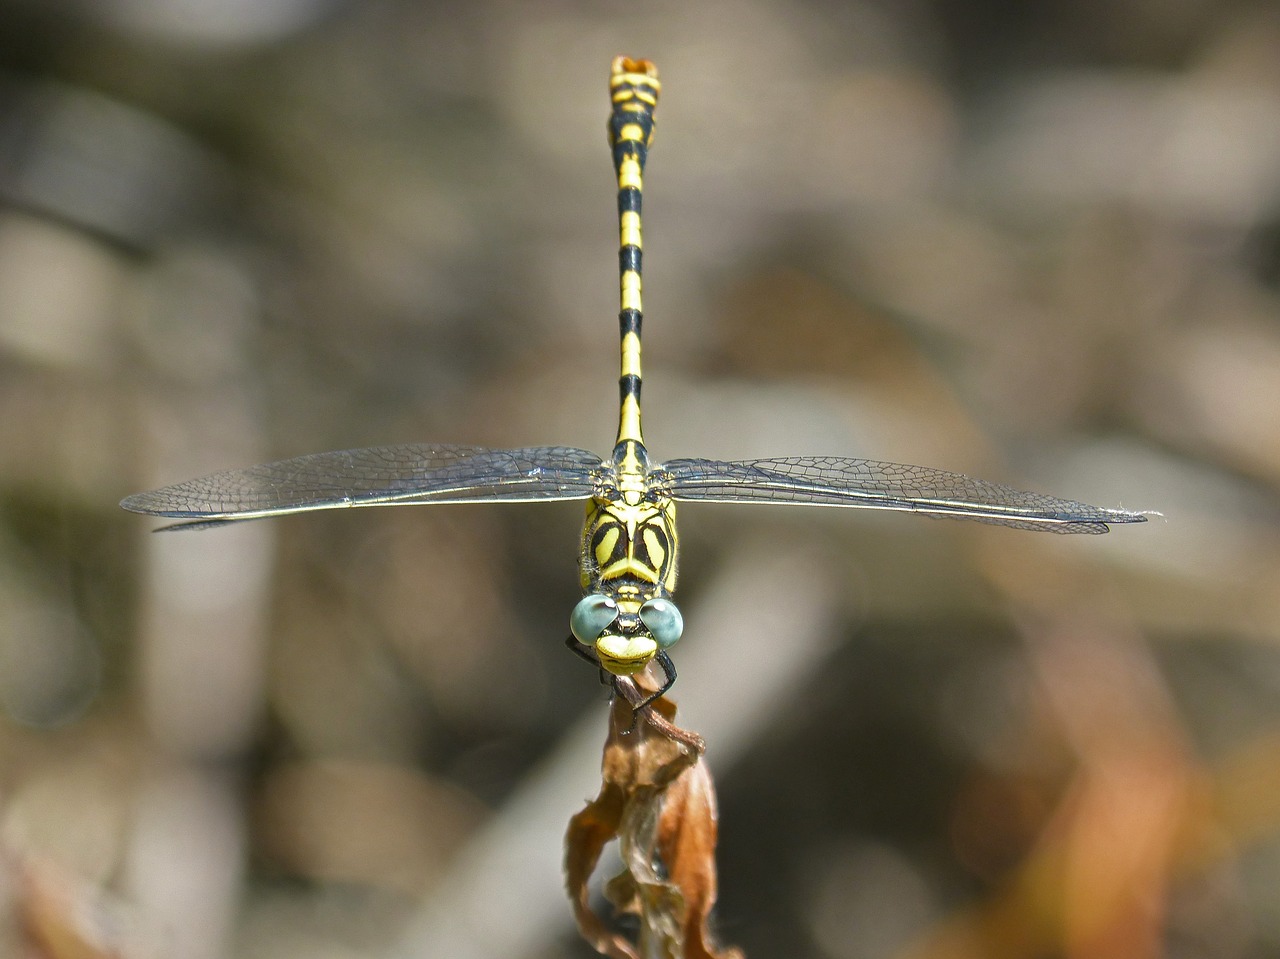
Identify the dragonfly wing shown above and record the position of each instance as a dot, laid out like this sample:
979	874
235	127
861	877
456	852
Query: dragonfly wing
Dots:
380	476
867	484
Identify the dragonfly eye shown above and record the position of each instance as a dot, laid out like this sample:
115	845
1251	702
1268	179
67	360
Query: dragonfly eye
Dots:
591	617
663	620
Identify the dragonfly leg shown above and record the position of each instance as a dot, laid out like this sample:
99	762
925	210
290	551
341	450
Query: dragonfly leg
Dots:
669	671
664	661
585	653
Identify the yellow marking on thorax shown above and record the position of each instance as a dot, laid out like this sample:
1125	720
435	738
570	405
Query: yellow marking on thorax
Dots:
630	566
657	554
604	549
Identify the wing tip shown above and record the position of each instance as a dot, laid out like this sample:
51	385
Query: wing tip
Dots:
1103	523
136	503
1131	516
149	504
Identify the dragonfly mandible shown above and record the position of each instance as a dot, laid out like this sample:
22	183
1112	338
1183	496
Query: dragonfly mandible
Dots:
628	555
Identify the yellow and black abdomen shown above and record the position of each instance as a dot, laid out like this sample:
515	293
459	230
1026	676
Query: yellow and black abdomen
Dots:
633	90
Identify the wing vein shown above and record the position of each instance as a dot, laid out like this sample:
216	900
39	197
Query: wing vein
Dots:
378	476
869	484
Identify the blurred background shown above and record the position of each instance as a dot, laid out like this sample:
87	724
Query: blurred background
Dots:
1034	241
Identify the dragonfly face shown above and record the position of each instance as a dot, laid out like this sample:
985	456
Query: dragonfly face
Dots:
626	633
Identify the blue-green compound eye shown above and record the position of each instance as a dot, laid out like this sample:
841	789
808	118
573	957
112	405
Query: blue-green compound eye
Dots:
591	617
663	621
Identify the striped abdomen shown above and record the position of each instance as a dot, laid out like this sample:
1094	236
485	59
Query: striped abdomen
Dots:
634	89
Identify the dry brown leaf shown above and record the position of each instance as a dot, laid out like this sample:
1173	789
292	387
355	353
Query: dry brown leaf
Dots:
687	833
657	799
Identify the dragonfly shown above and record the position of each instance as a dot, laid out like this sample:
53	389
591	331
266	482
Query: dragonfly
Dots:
626	619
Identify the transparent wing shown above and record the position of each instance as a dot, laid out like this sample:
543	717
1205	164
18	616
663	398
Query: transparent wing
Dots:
380	476
866	484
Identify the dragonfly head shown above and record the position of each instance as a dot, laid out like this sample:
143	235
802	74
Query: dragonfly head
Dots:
626	636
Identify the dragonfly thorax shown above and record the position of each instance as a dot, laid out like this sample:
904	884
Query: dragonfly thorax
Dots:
629	544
